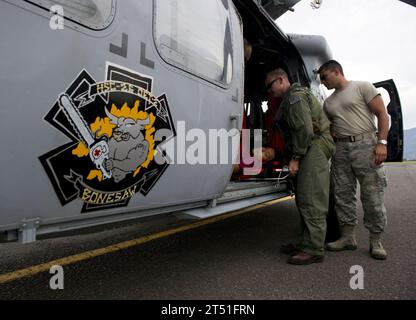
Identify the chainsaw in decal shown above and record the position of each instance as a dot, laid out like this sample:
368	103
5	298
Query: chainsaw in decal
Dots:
98	150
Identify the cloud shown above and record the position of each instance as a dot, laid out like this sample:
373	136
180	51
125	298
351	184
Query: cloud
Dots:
371	39
408	101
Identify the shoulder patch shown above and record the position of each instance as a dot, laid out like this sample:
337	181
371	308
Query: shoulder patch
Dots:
294	99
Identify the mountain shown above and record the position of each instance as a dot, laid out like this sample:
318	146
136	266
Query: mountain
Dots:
410	144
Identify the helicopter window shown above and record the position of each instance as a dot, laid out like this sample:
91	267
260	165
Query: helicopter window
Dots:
196	36
94	14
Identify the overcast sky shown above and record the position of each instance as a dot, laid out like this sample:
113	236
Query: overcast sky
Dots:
374	40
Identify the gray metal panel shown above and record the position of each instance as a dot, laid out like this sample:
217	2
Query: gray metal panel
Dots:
314	50
41	66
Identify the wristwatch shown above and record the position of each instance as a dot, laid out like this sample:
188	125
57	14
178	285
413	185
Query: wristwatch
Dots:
296	157
381	141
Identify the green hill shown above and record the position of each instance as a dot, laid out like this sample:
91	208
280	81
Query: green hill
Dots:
410	144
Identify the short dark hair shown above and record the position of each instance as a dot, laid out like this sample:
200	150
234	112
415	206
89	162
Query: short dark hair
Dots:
279	72
331	65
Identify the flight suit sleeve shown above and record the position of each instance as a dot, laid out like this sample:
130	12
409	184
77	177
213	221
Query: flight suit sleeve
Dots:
299	120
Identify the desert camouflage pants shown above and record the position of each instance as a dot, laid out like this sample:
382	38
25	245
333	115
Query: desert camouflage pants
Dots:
355	161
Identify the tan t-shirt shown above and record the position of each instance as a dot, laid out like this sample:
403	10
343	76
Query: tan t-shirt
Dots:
348	111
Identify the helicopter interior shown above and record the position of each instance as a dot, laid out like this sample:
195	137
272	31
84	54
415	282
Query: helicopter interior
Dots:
270	48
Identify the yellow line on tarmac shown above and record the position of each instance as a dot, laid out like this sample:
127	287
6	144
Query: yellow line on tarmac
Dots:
31	271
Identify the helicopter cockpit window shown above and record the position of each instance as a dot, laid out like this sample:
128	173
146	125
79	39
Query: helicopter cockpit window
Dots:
196	36
94	14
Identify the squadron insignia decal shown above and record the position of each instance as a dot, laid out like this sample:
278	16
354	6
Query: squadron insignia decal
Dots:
112	127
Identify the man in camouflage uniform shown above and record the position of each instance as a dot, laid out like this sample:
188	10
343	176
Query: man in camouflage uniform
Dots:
360	153
305	129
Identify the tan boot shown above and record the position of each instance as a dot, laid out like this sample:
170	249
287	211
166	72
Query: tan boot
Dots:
346	242
376	248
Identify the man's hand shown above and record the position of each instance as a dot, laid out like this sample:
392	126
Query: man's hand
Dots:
293	167
380	154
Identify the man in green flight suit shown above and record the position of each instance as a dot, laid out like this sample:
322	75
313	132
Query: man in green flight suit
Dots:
305	129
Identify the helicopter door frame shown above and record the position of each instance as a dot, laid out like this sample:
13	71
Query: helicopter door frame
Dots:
394	109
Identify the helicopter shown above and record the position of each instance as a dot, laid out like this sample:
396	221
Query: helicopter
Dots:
128	109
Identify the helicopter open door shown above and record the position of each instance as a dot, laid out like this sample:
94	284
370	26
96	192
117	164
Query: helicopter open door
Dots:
391	99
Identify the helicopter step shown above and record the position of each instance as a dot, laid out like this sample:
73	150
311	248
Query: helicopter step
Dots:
239	195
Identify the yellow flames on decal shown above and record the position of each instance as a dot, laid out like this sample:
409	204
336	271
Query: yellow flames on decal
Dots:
81	150
103	126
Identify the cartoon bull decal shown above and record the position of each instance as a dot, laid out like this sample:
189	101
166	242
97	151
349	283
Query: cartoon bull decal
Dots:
128	148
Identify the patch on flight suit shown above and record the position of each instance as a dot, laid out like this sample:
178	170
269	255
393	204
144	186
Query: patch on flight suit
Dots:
294	99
